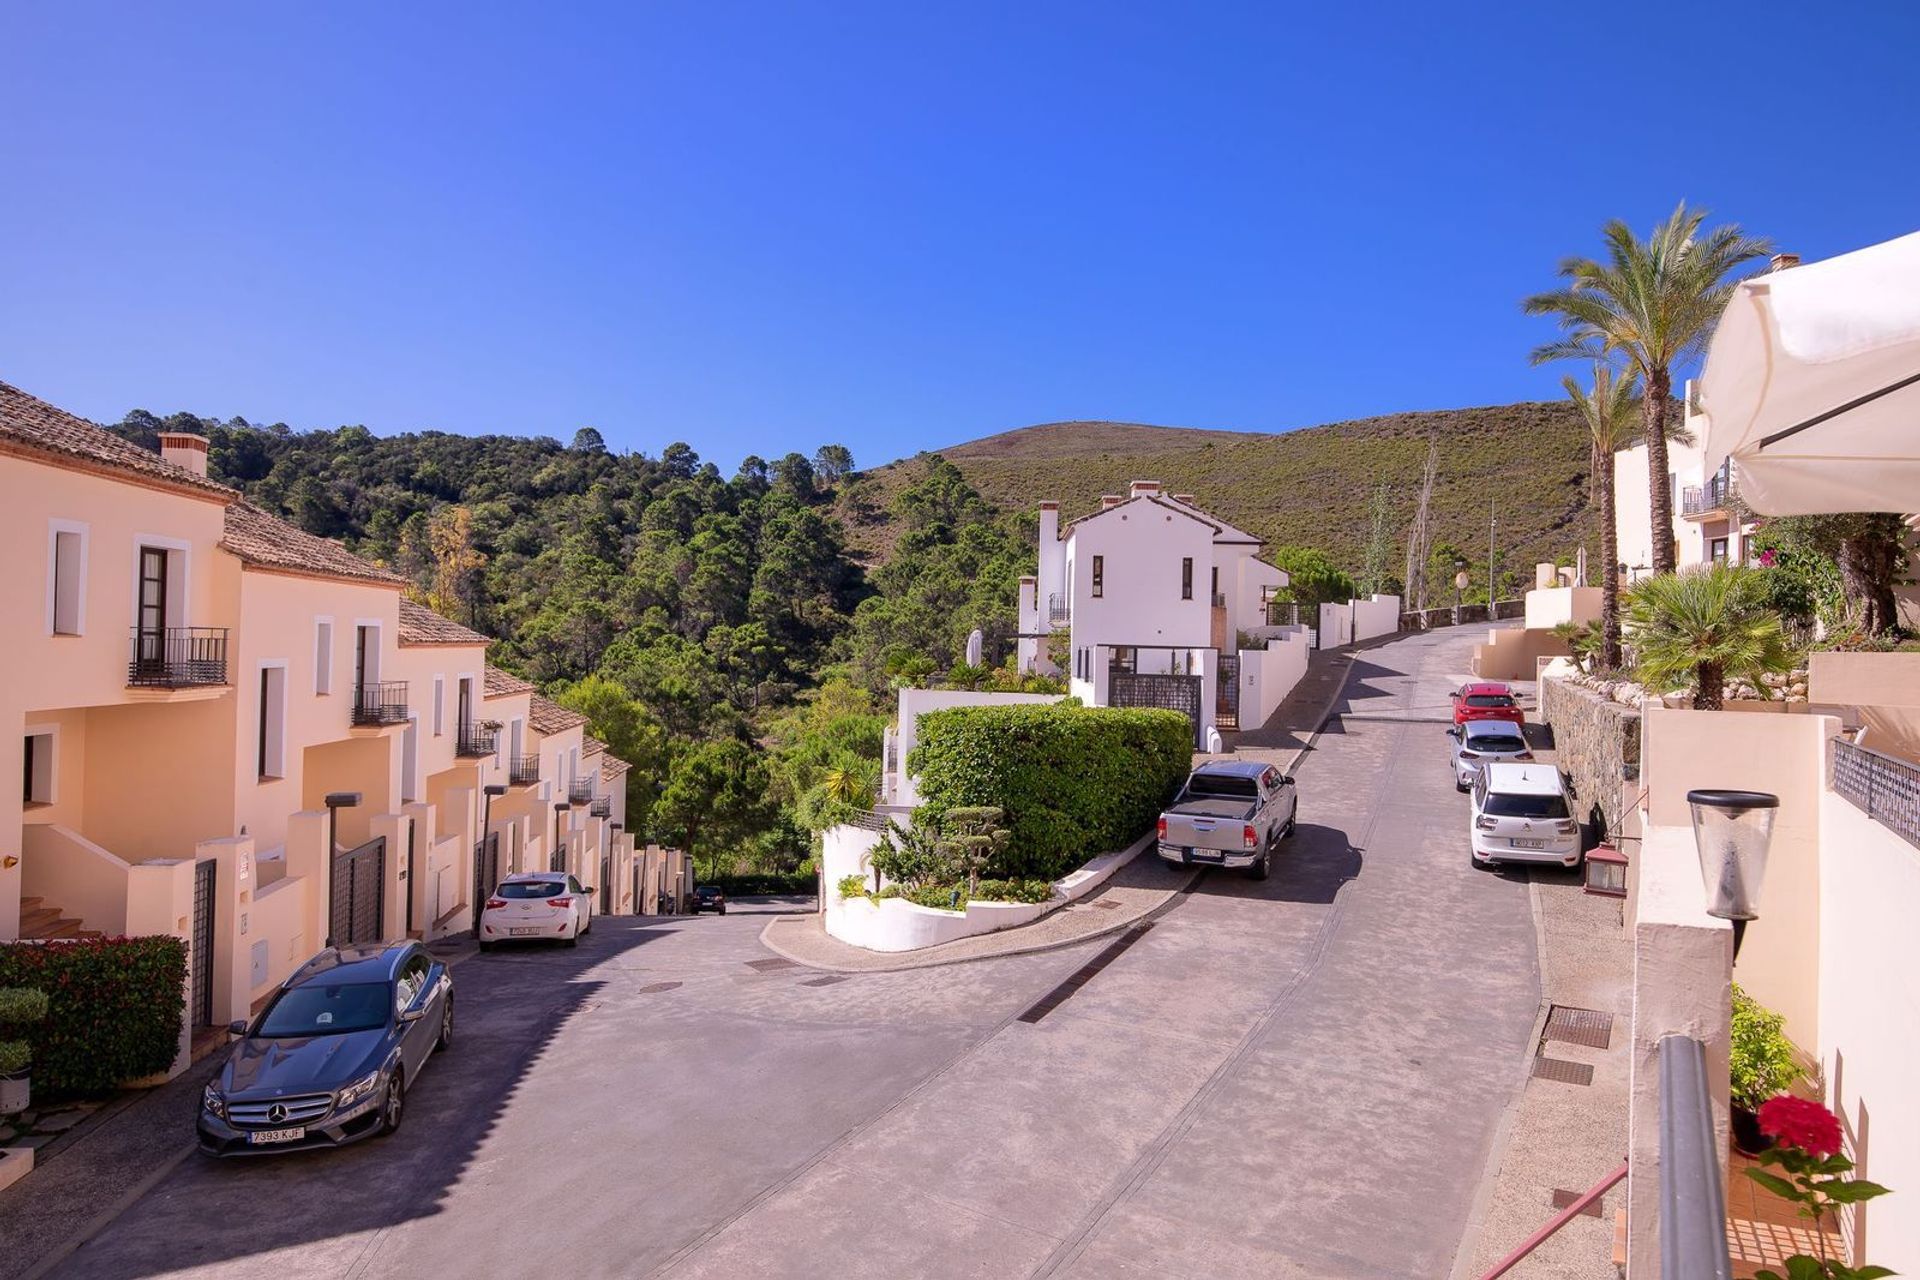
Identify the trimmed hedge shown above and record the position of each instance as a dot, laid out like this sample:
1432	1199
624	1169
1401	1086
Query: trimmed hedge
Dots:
1074	781
114	1007
765	882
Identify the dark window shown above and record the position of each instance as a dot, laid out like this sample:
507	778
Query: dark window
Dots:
1495	742
1215	588
530	889
1217	784
320	1010
1099	576
1123	658
1504	805
265	686
1717	551
1489	700
1186	577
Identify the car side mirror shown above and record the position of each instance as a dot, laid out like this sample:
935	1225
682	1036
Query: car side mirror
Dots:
588	891
414	1012
1286	779
238	1027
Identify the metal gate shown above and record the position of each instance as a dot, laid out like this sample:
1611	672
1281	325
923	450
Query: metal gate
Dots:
202	957
486	875
1226	699
606	884
407	887
359	893
1169	693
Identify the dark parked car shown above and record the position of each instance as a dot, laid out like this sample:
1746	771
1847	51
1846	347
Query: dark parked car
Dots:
330	1059
708	898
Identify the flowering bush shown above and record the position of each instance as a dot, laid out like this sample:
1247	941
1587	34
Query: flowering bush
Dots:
1807	1151
114	1007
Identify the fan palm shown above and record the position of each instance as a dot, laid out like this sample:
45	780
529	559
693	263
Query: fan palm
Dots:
1702	628
1655	301
1610	414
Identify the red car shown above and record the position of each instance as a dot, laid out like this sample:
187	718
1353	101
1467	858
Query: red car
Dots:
1489	700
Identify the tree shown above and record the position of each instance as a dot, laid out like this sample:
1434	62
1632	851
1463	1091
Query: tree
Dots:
1869	548
1313	578
1700	629
715	795
1420	535
457	582
1379	545
831	463
1609	412
1654	302
589	440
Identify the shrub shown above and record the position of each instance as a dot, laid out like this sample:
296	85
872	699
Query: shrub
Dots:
20	1007
805	880
854	886
1073	781
114	1007
1013	891
1762	1062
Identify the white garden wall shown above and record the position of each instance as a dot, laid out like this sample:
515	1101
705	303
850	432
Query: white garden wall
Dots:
1268	675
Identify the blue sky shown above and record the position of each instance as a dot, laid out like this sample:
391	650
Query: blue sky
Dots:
761	227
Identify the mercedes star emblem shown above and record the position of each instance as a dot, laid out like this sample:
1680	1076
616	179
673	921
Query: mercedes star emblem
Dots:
277	1112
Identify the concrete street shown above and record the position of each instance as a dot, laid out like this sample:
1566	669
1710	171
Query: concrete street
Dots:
1295	1078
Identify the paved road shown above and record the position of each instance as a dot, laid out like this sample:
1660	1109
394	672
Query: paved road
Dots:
1296	1078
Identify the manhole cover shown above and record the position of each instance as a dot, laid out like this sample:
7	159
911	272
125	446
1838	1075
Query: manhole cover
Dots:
768	966
827	981
1589	1027
655	988
1562	1070
1562	1198
1107	904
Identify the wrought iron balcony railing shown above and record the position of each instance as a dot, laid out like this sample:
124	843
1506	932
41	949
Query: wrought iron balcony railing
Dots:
601	808
523	770
1705	499
581	791
178	657
478	738
384	702
1219	599
1059	609
1884	787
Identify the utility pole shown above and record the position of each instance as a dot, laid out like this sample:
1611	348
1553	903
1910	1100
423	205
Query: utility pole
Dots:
1490	553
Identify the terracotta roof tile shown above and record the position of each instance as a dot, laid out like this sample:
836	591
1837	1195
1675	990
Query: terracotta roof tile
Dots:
611	767
421	625
500	684
549	717
269	541
32	423
590	744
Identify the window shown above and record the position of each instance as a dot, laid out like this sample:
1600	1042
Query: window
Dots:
1215	588
37	780
1504	804
1717	550
323	655
439	705
272	746
1099	576
67	579
1186	577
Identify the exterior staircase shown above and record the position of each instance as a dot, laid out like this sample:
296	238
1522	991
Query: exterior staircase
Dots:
42	923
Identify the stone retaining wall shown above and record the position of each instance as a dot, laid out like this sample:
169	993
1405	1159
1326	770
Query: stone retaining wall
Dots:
1598	745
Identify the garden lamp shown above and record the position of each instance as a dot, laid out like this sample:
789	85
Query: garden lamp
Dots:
1733	831
335	802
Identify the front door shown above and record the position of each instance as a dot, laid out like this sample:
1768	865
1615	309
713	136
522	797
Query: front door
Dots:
150	622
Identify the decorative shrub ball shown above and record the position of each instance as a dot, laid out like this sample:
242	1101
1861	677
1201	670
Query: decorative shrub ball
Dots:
1797	1122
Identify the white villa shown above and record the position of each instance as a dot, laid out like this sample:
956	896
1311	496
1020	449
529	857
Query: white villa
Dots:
1705	529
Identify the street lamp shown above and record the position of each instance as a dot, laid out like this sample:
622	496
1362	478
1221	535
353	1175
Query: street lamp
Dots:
335	802
491	790
1733	830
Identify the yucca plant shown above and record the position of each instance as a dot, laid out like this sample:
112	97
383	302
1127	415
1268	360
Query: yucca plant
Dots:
1610	412
1701	628
1655	303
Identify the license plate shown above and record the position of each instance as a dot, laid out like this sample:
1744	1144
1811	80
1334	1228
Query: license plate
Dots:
1208	855
1529	844
522	933
265	1137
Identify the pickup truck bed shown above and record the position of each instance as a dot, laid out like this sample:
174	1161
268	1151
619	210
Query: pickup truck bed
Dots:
1226	807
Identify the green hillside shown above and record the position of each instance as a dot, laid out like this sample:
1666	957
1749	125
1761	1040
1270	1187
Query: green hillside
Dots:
1312	487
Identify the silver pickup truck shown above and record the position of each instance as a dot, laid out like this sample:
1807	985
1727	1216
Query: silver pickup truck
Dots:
1231	813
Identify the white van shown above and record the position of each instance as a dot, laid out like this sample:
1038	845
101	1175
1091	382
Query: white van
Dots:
1519	813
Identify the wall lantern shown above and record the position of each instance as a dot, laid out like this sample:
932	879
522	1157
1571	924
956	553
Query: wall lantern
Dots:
1733	831
1606	871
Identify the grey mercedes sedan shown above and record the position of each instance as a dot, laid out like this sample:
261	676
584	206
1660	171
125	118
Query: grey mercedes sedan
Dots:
330	1059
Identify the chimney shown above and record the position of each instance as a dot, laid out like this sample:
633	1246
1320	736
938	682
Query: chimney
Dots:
1184	498
1143	488
184	449
1781	261
1110	500
1049	523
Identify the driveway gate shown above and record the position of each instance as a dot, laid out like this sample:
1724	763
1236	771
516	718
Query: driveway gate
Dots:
486	875
202	954
360	893
1226	699
1170	693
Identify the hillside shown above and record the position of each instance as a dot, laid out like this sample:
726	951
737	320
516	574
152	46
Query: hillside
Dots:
1312	487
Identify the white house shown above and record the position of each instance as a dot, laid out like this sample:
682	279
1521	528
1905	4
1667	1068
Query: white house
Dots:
1154	595
1704	528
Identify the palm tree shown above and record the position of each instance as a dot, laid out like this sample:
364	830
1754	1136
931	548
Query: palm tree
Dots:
1702	628
1609	411
1655	301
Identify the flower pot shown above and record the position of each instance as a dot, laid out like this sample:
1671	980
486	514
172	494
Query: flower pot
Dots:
1747	1137
16	1092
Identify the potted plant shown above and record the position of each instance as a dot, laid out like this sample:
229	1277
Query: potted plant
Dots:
1814	1174
19	1007
1762	1064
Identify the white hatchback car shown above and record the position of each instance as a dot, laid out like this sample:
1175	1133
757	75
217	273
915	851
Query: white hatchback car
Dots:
537	906
1519	813
1479	742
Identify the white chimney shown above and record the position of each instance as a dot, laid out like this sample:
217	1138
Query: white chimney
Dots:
1142	488
1781	261
184	449
1110	500
1184	498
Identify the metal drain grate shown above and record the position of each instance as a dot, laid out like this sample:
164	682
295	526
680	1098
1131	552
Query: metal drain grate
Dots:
1084	974
655	988
1562	1198
1563	1071
827	981
1107	904
769	966
1589	1027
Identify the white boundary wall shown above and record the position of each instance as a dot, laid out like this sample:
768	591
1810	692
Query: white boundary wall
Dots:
1268	675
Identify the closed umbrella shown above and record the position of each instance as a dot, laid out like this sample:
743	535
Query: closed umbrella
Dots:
1812	384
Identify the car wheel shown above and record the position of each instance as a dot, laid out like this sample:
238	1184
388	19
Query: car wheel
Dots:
446	1027
720	910
486	946
573	939
1261	869
393	1106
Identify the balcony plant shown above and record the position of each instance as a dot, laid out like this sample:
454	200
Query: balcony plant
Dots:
1813	1174
20	1007
1762	1065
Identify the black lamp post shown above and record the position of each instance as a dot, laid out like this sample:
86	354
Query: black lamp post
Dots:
335	802
491	790
1733	831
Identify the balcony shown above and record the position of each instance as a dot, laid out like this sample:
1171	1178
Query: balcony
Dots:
581	791
1059	610
1884	787
1705	501
523	771
177	658
601	808
479	738
1219	599
382	703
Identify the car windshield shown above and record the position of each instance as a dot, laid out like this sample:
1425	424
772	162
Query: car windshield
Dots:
1495	742
1501	804
531	889
1221	784
706	891
1489	700
328	1009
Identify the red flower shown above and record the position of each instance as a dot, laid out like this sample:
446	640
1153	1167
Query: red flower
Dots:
1799	1123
